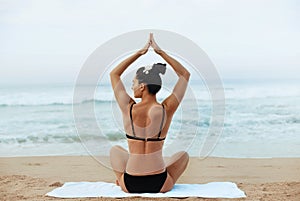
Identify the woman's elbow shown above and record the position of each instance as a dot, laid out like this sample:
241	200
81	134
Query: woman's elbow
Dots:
186	75
113	74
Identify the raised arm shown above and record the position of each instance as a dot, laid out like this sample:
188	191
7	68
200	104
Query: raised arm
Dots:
172	102
121	95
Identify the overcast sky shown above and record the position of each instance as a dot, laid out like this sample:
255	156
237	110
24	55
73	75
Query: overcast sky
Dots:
48	41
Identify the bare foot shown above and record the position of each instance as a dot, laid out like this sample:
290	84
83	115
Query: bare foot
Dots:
117	183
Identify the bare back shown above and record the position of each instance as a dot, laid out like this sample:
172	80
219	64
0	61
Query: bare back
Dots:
147	120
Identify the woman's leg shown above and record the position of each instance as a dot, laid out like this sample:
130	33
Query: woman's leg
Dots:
118	160
175	168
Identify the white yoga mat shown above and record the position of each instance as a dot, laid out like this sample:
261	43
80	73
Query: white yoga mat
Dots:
110	190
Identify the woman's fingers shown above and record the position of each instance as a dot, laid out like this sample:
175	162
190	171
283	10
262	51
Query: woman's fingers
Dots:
151	37
151	42
154	44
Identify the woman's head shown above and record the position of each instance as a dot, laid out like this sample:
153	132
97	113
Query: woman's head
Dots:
149	76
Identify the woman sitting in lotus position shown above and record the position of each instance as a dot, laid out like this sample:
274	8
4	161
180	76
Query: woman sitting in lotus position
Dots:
142	169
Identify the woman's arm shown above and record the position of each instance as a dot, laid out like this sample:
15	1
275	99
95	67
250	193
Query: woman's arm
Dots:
121	95
173	101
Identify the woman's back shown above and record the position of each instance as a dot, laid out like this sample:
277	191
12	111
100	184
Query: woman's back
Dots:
146	127
147	119
145	123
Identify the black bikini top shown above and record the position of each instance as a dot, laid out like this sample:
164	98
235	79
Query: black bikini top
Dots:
146	139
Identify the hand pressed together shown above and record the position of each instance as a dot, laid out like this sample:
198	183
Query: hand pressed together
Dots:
151	42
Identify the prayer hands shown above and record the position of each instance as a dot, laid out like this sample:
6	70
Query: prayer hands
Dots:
151	42
154	45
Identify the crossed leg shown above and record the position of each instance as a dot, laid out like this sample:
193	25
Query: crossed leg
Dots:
175	168
118	159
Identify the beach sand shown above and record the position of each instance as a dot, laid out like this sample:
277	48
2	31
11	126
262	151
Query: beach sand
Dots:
30	178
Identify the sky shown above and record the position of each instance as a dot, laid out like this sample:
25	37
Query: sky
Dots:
49	41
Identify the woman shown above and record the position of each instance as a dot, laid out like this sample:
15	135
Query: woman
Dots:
146	123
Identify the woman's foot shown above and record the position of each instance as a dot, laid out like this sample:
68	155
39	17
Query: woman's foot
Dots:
117	183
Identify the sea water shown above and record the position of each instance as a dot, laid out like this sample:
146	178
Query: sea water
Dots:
261	119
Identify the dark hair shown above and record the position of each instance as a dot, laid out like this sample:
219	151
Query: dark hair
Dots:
150	76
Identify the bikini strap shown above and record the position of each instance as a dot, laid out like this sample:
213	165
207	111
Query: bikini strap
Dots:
162	121
133	132
161	124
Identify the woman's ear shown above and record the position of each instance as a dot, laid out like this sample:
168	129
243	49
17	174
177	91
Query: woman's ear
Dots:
142	86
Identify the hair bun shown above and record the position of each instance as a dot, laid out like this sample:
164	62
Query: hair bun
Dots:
160	68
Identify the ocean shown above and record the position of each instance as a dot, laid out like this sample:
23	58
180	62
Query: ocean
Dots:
261	120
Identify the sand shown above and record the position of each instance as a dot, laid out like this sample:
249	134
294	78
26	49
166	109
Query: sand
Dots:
30	178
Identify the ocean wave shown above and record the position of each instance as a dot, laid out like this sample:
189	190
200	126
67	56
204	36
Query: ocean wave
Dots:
96	101
46	139
65	98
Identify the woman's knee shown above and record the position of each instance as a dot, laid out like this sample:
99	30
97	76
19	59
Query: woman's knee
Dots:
114	154
185	156
115	150
183	159
182	155
118	158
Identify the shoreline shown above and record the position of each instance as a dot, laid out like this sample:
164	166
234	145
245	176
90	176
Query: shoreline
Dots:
30	178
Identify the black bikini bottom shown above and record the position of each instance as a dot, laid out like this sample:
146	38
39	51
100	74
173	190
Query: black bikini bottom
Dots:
146	183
